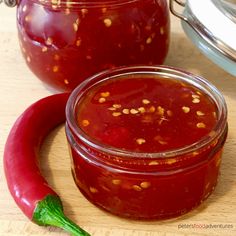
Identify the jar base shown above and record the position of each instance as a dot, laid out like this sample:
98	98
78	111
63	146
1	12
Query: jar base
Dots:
158	217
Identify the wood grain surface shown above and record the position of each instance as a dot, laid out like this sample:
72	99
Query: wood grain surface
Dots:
20	88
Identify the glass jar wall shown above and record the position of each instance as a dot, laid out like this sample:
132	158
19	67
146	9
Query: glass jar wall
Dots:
146	142
64	42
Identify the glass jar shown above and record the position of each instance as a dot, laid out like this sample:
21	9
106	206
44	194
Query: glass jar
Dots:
215	35
140	157
64	42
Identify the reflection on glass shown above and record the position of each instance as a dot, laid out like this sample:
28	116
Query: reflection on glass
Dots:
228	7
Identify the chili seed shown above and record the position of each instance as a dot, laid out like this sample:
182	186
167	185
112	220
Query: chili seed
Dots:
141	109
145	184
148	40
28	59
152	109
140	141
201	125
153	163
85	123
44	49
195	153
134	111
116	181
116	114
49	41
101	100
170	161
105	94
66	81
212	133
93	190
160	110
162	142
116	105
200	113
169	113
75	26
145	101
195	96
186	109
111	108
136	188
125	111
195	100
107	22
55	69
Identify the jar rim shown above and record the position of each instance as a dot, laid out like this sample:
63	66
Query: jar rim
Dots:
163	71
83	3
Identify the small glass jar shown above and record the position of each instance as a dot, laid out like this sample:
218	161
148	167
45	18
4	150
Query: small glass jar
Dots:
146	183
64	42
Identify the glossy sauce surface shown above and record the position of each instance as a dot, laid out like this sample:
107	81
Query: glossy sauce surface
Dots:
146	114
65	43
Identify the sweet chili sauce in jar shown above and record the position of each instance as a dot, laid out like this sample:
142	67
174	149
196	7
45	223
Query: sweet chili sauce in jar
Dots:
146	142
64	42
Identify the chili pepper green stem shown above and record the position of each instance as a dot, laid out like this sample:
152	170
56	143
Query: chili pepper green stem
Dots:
49	211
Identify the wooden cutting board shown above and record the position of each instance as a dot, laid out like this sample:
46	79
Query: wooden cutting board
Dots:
19	88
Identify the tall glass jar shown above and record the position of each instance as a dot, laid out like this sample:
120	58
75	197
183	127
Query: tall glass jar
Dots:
64	42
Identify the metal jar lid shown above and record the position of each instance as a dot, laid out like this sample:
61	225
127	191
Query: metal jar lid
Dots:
211	25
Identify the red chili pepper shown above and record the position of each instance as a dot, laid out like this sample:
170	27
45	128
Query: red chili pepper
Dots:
29	189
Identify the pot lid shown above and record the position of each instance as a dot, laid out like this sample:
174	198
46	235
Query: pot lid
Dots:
211	25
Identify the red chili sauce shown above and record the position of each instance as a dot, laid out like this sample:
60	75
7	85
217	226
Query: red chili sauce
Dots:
65	43
147	115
